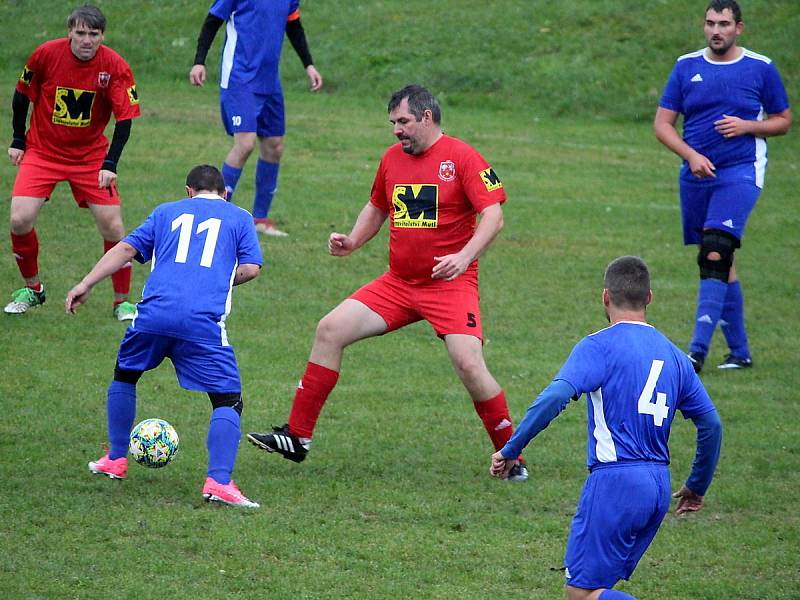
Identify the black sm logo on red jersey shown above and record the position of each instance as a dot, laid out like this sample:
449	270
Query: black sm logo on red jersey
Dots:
415	206
72	107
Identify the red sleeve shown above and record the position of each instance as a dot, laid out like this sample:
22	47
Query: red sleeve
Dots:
294	16
31	76
378	193
124	97
481	184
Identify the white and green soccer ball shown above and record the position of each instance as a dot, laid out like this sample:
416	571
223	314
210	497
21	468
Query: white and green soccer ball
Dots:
154	443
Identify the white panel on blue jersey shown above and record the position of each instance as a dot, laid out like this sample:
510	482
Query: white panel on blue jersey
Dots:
605	449
227	54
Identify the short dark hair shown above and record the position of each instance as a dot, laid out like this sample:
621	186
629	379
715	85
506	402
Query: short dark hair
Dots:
88	15
419	100
206	177
627	280
720	5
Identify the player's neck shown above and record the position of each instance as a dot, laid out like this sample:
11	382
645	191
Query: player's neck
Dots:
618	316
731	54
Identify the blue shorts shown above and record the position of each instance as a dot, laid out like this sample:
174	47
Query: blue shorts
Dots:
619	512
723	202
199	366
247	112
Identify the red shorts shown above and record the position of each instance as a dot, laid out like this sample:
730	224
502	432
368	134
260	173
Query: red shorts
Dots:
449	306
37	176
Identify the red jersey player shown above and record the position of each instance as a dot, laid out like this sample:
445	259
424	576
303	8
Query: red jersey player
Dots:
75	85
431	187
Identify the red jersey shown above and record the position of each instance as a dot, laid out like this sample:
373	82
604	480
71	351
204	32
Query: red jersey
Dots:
433	200
73	100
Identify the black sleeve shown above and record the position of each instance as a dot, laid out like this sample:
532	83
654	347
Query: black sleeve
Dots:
297	36
19	116
122	131
210	27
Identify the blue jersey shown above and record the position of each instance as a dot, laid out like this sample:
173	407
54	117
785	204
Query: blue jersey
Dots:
635	379
253	41
194	246
748	87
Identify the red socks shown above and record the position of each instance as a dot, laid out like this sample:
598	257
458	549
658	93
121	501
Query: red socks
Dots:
494	414
310	397
26	251
121	280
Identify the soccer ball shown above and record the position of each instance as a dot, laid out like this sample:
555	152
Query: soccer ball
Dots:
154	443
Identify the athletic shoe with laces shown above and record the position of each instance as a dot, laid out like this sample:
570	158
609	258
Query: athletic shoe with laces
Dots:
282	441
735	362
116	468
519	472
23	299
226	494
697	359
267	227
125	311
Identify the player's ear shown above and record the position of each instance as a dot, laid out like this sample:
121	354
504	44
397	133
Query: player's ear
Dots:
649	297
189	192
606	298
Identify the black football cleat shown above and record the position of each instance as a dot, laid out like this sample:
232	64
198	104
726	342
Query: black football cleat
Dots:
734	362
697	359
282	441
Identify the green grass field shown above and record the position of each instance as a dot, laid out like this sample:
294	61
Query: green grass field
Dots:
394	500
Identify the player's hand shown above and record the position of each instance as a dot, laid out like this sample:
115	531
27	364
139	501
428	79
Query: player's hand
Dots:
15	155
197	76
449	267
688	501
76	297
500	466
731	127
701	167
340	245
106	178
314	78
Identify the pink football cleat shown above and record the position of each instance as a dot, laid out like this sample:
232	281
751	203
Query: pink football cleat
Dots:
116	469
226	494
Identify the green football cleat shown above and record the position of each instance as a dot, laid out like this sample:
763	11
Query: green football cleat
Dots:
23	299
125	311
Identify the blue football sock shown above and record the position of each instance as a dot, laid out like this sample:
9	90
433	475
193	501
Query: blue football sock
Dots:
732	321
710	298
223	443
231	176
121	407
615	595
266	186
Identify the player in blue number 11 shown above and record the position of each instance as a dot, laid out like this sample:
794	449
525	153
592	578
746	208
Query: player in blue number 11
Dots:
635	380
199	248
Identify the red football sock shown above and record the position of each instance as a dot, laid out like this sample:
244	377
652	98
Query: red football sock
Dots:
496	419
121	280
26	251
310	397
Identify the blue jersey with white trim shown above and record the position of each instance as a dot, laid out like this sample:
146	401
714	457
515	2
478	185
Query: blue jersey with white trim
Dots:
748	87
253	42
194	246
634	379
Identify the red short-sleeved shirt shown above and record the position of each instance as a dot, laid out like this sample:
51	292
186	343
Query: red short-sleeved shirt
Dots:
432	199
73	100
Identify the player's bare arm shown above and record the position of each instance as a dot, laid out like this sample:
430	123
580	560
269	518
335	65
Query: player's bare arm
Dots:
245	273
367	225
664	126
778	124
453	265
110	263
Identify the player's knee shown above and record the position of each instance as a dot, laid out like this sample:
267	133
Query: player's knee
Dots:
272	149
232	399
328	331
126	376
715	258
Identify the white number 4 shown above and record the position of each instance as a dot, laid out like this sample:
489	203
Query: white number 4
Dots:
659	408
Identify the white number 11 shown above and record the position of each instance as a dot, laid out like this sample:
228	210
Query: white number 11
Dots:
659	408
185	222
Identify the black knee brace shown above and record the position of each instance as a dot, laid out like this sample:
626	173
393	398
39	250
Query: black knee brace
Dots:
724	244
234	400
126	376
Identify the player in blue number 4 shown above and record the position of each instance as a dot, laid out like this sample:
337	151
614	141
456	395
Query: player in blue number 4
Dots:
635	380
200	248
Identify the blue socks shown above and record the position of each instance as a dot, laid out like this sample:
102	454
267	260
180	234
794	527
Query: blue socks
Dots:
121	408
231	176
223	443
732	321
266	186
710	299
615	595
